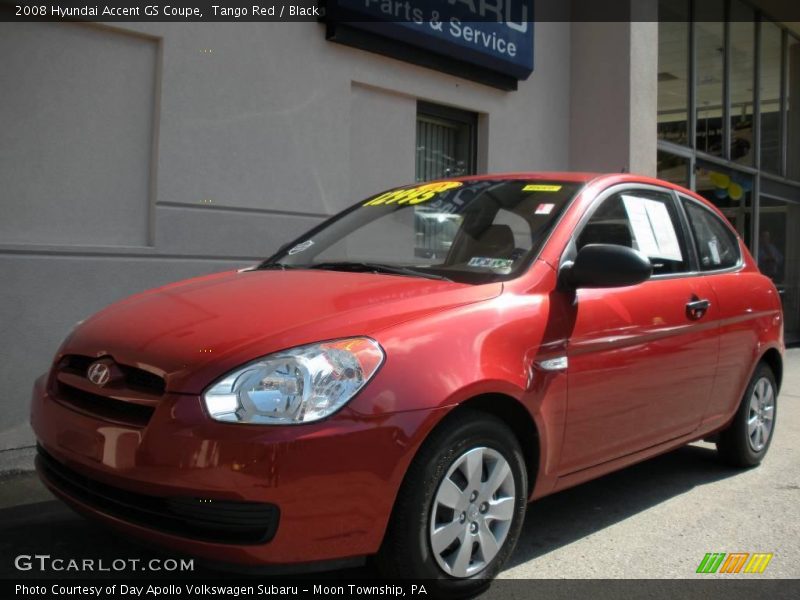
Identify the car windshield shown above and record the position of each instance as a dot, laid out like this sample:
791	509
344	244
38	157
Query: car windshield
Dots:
467	231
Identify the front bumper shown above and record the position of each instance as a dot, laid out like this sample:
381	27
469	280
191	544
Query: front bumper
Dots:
332	484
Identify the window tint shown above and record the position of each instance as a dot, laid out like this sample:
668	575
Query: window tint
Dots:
643	220
717	246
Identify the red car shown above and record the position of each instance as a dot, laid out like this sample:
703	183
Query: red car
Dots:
403	379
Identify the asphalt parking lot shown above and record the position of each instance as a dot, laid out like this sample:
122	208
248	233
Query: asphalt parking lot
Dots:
653	520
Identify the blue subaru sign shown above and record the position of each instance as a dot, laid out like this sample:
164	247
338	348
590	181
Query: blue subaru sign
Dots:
494	35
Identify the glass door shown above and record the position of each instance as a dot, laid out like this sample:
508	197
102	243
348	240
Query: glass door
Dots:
779	255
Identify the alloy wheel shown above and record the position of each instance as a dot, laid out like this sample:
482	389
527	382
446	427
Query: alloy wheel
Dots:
761	416
472	512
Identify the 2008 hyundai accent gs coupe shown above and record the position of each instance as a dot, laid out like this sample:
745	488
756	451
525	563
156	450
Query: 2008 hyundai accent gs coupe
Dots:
403	379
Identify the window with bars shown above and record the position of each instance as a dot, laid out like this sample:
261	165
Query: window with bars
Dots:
446	147
445	142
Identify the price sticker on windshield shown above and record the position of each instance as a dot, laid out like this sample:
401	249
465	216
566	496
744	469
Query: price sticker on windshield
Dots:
413	195
541	187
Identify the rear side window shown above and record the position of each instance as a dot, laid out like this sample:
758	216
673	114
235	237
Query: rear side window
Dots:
717	246
644	220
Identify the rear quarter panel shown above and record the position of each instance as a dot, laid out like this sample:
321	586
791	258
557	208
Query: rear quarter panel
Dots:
751	322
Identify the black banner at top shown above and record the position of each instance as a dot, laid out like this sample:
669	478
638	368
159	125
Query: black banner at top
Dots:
313	10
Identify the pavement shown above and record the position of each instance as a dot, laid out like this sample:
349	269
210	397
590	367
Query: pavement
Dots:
654	520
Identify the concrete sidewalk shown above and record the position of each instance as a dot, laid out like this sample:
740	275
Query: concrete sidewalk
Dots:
653	520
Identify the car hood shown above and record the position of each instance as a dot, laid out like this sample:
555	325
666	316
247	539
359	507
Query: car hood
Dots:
194	331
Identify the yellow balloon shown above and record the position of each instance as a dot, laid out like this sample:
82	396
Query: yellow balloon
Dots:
719	179
735	191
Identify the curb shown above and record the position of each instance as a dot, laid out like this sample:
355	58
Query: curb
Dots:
17	460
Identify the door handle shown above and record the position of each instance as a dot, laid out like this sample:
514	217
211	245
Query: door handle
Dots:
695	309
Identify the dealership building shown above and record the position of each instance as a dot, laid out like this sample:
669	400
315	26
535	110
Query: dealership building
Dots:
133	154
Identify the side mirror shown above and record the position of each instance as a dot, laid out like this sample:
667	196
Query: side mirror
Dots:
605	265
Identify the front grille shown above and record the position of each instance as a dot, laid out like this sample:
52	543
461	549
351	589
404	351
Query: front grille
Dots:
221	521
135	378
108	409
76	364
143	381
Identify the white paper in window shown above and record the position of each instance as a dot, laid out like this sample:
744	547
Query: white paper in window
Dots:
713	247
652	227
640	223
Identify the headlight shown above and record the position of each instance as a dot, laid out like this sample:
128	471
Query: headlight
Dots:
300	385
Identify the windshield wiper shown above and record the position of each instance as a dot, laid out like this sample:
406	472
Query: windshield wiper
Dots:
276	266
376	268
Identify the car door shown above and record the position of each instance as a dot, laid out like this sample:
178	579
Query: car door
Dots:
641	358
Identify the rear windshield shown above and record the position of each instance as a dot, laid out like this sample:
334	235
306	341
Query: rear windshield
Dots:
472	232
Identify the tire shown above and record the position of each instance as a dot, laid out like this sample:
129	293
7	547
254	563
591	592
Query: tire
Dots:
432	506
746	440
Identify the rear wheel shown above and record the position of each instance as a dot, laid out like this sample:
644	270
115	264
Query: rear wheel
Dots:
746	440
460	510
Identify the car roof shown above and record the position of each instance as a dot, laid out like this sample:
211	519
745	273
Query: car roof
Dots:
603	179
599	179
577	177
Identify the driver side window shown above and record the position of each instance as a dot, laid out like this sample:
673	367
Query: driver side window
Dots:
643	220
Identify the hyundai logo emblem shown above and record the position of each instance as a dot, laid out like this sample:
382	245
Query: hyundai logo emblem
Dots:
98	373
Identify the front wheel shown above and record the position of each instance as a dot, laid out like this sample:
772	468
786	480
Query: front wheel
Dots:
460	510
746	440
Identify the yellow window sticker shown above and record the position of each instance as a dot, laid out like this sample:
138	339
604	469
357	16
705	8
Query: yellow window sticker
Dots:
541	187
414	195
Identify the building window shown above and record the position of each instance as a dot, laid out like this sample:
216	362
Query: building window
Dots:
742	81
793	109
770	87
446	142
729	126
709	73
673	168
779	248
673	72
